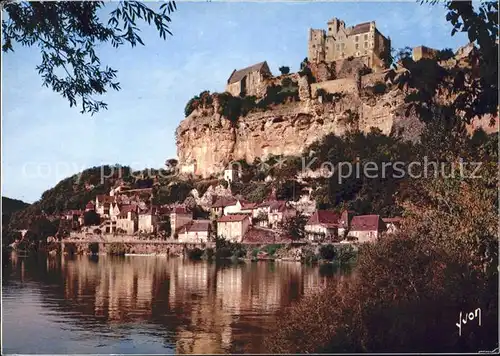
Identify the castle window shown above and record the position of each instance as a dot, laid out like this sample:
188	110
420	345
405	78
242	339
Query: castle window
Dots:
329	29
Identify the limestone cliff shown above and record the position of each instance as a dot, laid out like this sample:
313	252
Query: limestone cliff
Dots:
207	142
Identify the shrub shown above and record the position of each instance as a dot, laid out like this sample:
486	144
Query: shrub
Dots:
208	254
255	252
195	253
379	88
94	248
117	249
70	248
309	257
226	249
346	254
284	70
286	82
327	252
271	249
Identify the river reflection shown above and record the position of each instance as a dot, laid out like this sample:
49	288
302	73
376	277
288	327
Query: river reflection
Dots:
138	304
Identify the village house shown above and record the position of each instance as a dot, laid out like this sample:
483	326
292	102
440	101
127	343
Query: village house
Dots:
366	228
217	208
279	211
323	224
73	215
148	221
127	219
233	227
240	206
102	204
179	216
114	211
249	81
196	231
392	224
231	174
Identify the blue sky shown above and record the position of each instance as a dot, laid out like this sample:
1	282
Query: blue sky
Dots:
44	140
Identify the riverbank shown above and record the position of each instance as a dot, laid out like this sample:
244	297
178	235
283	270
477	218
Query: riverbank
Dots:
294	252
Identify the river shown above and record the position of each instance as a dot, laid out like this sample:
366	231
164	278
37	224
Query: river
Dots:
147	305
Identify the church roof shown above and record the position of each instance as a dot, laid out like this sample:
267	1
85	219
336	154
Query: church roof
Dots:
238	75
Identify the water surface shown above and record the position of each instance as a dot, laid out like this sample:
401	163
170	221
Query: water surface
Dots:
60	305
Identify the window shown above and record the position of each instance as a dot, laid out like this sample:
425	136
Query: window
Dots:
357	46
366	44
342	54
330	29
356	38
366	37
366	52
338	47
314	46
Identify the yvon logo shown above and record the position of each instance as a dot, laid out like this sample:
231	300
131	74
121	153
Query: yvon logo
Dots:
471	316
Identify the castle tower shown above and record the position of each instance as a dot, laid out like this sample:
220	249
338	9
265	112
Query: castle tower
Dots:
316	50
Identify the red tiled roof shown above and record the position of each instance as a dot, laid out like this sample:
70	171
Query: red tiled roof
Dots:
180	210
248	206
233	217
360	28
198	226
366	223
74	212
222	202
89	205
392	220
126	208
323	217
103	198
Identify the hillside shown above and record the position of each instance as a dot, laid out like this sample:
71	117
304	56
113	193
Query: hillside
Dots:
298	109
10	206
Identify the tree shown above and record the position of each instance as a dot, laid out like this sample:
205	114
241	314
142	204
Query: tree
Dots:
67	33
284	70
91	218
295	227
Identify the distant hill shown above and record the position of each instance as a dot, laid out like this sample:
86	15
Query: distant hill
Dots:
10	206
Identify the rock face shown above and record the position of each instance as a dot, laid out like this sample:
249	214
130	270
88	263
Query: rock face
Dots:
207	142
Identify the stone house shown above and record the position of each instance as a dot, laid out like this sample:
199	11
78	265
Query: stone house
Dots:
341	42
127	219
323	224
279	211
249	81
233	227
148	221
196	231
366	228
179	216
102	204
218	208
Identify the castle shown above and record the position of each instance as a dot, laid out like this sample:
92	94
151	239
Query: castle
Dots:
339	42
